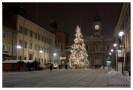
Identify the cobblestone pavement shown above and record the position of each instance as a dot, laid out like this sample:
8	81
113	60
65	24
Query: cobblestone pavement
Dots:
59	78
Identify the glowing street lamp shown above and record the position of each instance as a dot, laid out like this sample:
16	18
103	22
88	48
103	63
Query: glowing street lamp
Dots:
115	45
121	34
116	57
53	57
41	51
54	54
112	50
18	47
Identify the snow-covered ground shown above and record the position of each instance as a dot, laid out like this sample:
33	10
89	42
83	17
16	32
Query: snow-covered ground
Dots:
114	73
117	79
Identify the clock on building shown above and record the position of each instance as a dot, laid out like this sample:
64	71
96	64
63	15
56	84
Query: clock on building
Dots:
96	27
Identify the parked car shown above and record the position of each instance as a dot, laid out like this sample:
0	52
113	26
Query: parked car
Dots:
55	65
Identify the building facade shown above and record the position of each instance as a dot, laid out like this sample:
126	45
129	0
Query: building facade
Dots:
98	47
124	25
36	42
61	41
9	42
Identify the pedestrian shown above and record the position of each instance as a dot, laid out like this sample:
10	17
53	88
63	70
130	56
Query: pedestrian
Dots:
51	66
66	66
28	66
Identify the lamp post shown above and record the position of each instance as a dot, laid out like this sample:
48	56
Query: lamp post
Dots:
38	55
121	34
53	57
41	52
112	59
116	66
18	47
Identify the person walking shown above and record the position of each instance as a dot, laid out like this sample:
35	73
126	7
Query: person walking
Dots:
28	66
66	66
51	66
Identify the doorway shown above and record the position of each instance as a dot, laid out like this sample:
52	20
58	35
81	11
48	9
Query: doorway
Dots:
30	56
108	63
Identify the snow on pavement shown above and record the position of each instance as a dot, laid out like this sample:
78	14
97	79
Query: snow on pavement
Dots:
118	79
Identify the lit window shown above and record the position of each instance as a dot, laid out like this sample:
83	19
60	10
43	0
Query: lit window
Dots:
4	34
10	35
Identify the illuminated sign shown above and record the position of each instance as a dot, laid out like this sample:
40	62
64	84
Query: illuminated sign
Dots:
62	58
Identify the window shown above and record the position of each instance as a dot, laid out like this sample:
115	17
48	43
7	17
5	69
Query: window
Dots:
31	33
20	29
30	45
45	39
3	47
25	44
42	38
108	47
20	57
35	47
4	34
42	61
24	58
14	49
38	48
49	50
15	37
20	43
10	35
97	47
25	31
44	49
9	47
35	35
38	36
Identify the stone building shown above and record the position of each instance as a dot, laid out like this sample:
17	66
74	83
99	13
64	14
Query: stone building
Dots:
124	25
61	41
36	42
98	46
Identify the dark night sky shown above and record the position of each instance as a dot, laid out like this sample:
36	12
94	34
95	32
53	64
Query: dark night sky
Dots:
69	15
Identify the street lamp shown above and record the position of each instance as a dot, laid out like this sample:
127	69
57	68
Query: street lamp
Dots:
41	51
121	34
116	57
53	57
112	59
39	55
112	50
18	47
54	54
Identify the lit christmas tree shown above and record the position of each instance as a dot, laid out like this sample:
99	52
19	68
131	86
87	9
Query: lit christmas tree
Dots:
78	57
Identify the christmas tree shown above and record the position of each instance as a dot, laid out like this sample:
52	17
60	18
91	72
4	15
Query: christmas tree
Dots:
78	57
